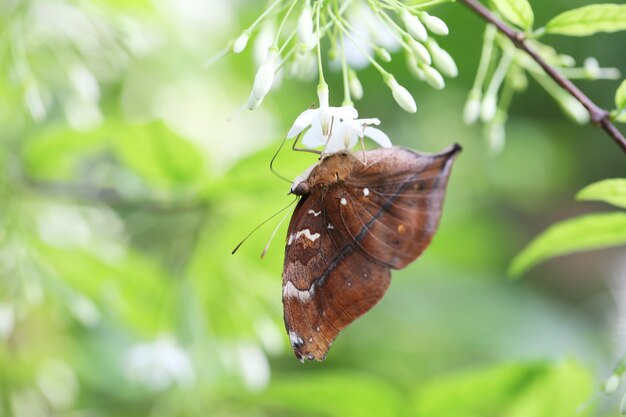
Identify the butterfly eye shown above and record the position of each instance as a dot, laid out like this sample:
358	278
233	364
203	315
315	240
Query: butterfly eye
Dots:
302	189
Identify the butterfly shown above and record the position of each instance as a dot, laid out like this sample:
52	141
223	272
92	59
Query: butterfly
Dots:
358	217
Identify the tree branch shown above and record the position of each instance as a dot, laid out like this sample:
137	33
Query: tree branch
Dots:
599	117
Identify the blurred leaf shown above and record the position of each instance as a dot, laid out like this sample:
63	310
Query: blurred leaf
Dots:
533	390
517	12
612	191
475	393
127	285
333	394
588	20
558	393
161	157
55	154
592	231
620	96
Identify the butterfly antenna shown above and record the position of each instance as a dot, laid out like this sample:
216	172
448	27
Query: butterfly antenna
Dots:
269	242
282	143
265	221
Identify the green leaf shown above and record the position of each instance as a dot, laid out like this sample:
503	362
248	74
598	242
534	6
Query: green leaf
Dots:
592	231
517	12
620	96
480	392
588	20
333	394
559	393
513	390
57	153
612	191
161	157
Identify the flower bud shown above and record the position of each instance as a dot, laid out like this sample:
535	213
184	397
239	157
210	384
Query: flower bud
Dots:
414	68
567	60
383	54
356	89
434	24
611	385
488	108
241	42
433	77
442	59
574	109
471	111
414	26
496	134
592	68
264	76
419	51
322	94
401	95
305	26
253	102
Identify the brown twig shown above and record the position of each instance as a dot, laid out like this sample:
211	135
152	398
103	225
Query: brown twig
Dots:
599	117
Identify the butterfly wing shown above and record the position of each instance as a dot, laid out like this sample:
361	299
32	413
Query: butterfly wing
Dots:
327	281
390	206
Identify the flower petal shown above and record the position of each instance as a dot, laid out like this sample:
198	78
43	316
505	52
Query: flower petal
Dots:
343	137
378	136
344	112
314	137
302	121
373	121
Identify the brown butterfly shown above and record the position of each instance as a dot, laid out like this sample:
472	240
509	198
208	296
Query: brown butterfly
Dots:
359	216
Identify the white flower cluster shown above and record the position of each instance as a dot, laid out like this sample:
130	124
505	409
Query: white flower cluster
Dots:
288	41
504	70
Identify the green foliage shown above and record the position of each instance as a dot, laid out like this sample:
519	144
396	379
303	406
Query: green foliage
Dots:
593	231
160	157
612	191
123	190
620	97
518	12
538	390
588	232
332	395
588	20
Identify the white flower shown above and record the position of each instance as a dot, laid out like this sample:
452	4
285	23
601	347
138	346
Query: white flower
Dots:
336	128
347	133
159	364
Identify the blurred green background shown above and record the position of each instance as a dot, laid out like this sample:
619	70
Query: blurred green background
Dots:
127	177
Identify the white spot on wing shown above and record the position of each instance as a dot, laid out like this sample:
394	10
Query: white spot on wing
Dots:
295	339
307	233
289	290
366	192
344	201
330	226
315	213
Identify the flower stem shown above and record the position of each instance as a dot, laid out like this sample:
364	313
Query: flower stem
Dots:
599	116
285	17
322	82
